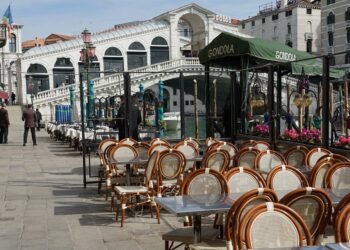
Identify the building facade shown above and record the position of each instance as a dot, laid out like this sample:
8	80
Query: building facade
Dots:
10	61
335	32
175	34
295	23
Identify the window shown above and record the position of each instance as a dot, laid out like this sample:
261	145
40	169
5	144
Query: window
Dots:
348	35
263	20
331	18
330	1
309	26
347	58
243	26
274	17
309	11
347	15
253	23
289	29
330	38
289	12
186	103
12	43
63	72
309	45
39	78
174	103
331	60
113	61
137	57
192	103
174	91
159	50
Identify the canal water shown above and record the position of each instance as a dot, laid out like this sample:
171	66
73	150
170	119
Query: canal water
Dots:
190	129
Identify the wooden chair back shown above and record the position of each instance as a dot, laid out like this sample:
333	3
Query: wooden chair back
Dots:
241	180
267	160
245	157
315	207
189	151
338	176
217	159
286	177
314	154
295	156
342	225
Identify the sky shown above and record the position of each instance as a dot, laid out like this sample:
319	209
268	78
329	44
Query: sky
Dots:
44	17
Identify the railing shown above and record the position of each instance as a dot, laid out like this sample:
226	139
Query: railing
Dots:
330	27
63	92
308	35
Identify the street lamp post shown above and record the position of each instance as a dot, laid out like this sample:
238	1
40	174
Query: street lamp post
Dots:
87	54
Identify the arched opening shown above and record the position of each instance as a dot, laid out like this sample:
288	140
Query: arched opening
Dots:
63	72
192	34
13	44
159	50
331	18
137	56
37	73
113	61
93	69
347	14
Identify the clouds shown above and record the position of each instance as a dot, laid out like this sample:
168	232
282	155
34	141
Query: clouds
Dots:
43	17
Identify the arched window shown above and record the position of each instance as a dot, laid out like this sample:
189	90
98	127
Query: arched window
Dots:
12	44
347	14
330	1
159	50
309	27
37	78
331	18
113	61
137	56
330	38
63	72
93	69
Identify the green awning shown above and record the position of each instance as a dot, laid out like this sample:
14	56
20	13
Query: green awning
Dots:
227	45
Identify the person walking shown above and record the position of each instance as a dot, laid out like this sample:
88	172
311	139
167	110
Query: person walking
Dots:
29	118
4	124
134	119
13	98
38	118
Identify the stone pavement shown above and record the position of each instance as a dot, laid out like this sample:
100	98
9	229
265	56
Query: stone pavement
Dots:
43	204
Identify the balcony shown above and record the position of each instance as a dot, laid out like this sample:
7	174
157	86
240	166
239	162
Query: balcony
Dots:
330	50
330	27
308	36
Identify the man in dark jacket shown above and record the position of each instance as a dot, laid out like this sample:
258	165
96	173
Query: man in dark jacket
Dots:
38	118
4	124
29	118
134	119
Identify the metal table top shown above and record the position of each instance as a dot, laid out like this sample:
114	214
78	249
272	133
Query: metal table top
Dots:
338	246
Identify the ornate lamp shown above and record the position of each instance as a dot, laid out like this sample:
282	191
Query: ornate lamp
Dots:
307	100
298	100
86	36
257	97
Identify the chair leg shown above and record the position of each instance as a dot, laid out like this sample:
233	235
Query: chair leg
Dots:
166	245
112	201
123	207
116	213
157	213
151	210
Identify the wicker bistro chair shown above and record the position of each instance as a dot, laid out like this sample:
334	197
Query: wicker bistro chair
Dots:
103	145
295	156
132	196
272	225
342	225
201	181
241	180
262	145
247	144
344	202
314	206
142	151
235	216
286	177
267	160
217	159
318	172
158	146
158	140
171	166
313	155
189	151
128	141
229	147
338	176
336	157
245	157
209	141
193	141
